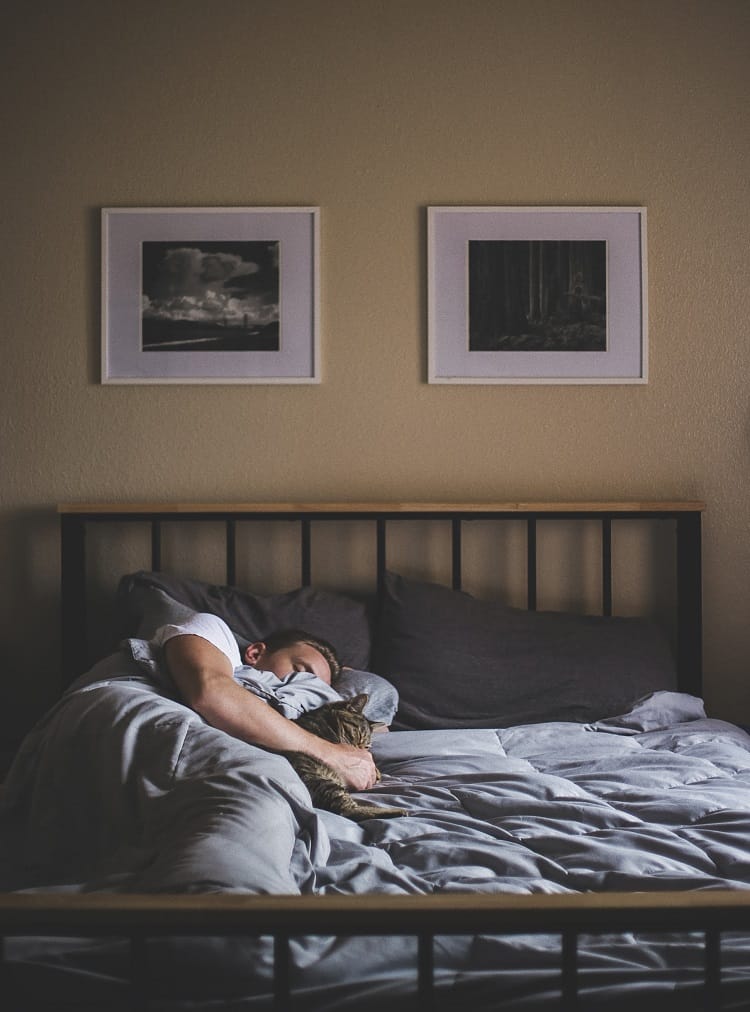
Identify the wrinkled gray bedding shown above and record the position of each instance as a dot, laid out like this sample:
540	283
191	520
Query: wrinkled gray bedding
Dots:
122	788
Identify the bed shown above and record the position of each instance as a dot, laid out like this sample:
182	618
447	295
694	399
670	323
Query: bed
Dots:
578	826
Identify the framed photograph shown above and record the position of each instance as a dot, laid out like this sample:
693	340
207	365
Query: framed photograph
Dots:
210	295
537	295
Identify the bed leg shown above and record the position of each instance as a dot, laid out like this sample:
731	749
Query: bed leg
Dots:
569	997
281	965
138	973
425	973
712	993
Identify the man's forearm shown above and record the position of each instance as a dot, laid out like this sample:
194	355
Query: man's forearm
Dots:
226	705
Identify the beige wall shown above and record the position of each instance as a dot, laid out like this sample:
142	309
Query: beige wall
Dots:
373	110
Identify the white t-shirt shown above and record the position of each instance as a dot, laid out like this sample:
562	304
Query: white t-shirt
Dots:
208	627
291	695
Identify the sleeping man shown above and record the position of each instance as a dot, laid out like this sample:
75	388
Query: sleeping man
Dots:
204	662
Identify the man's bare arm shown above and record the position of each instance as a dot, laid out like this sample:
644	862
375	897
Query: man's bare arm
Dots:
203	674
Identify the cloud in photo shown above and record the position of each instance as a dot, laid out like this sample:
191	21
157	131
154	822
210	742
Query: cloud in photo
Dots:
198	284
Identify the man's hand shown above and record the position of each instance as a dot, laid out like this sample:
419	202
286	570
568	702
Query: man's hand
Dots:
355	765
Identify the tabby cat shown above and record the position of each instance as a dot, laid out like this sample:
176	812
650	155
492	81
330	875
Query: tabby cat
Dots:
342	723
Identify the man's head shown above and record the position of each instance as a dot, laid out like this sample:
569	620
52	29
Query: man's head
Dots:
294	650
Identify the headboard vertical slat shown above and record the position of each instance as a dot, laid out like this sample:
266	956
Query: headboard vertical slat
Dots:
607	566
689	603
155	546
381	554
231	547
531	563
73	602
305	552
456	574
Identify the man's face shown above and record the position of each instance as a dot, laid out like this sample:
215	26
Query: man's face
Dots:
282	662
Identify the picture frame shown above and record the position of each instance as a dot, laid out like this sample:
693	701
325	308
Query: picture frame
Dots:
530	295
210	295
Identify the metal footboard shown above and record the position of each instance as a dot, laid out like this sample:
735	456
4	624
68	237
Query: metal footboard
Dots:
140	917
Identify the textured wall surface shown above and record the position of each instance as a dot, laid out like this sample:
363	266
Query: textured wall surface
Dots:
372	110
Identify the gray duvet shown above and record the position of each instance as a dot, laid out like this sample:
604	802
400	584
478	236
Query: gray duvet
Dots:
122	788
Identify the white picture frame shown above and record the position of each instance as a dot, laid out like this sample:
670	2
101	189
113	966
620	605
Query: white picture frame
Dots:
210	295
501	306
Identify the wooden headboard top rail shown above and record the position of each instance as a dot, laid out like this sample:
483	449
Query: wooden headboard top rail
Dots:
384	507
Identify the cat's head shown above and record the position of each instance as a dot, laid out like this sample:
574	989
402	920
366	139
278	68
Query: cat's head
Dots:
356	705
343	721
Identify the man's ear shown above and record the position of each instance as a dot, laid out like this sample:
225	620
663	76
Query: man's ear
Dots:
254	652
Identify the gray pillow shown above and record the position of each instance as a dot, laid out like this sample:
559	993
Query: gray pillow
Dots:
460	662
147	600
383	696
155	608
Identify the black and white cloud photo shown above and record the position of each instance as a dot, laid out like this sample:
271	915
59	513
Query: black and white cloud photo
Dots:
210	296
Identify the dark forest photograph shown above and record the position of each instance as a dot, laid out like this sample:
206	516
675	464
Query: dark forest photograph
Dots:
537	295
210	296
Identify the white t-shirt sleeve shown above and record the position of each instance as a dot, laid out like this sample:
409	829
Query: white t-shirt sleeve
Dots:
208	627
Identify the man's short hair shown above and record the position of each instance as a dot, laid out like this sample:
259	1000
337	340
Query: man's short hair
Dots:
283	638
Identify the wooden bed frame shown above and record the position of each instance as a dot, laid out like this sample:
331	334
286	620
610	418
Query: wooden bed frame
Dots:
424	917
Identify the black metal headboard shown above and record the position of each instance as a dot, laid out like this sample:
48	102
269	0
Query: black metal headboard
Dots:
685	517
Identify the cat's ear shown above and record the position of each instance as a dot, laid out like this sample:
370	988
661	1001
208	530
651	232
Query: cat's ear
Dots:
358	703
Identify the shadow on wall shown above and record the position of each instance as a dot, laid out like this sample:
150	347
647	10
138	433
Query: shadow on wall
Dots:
29	623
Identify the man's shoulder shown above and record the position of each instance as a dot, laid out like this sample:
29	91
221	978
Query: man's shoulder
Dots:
209	627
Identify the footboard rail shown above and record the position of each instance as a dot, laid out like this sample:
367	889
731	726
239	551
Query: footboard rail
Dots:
140	917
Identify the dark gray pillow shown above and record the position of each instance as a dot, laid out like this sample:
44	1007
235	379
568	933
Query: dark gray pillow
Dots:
461	662
147	600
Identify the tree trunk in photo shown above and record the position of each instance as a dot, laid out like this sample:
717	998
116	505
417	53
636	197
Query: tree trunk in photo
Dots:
554	279
533	306
515	315
495	300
